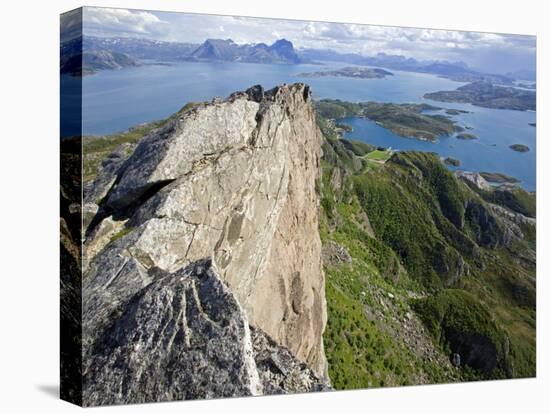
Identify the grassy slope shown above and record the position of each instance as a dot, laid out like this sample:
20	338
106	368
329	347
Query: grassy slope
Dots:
360	349
417	210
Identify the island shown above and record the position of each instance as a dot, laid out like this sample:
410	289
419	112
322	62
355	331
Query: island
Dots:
90	62
466	136
343	127
487	95
498	178
453	111
350	72
533	124
519	148
406	120
451	161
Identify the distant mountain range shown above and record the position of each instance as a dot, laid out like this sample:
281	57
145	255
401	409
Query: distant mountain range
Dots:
141	48
78	60
282	51
114	53
457	71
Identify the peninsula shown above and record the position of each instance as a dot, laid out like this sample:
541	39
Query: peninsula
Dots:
487	95
406	120
350	72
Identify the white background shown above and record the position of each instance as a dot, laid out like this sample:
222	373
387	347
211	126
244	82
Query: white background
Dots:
29	166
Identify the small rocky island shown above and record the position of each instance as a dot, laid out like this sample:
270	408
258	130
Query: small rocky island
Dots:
452	162
343	127
406	120
519	148
466	136
487	95
498	178
453	111
350	72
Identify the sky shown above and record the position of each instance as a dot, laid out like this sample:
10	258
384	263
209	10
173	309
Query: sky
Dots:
488	52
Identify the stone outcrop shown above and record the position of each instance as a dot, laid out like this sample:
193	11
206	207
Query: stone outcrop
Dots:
488	230
279	371
182	337
233	180
473	178
185	336
335	254
110	168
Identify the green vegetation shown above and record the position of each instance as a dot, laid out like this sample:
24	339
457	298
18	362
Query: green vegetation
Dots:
456	111
406	221
121	233
358	148
484	93
515	199
335	108
360	354
363	351
466	136
407	120
430	241
451	161
453	316
499	178
350	72
379	155
344	127
519	148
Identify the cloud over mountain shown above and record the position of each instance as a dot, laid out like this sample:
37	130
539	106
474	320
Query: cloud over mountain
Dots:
484	51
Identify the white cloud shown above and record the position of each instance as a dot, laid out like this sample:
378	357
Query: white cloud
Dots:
122	21
428	44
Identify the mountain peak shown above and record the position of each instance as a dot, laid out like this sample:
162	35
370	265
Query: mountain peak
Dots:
283	42
228	167
281	51
285	50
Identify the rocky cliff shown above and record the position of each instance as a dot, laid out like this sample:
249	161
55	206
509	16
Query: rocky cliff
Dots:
210	226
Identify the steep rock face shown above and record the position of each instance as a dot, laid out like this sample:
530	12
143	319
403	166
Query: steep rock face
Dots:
487	229
99	188
233	180
185	336
474	179
279	371
182	337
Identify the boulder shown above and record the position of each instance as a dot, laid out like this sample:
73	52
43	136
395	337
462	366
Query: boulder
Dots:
455	359
474	179
335	254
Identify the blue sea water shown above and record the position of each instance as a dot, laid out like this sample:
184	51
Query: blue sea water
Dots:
496	130
116	100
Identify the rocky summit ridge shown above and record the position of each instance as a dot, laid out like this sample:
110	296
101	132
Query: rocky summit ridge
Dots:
203	274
